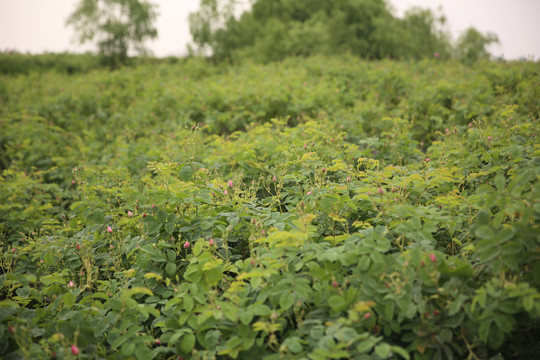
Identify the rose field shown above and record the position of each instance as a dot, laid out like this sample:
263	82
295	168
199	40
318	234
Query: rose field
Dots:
317	208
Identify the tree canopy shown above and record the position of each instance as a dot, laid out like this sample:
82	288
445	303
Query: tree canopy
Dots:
118	26
275	29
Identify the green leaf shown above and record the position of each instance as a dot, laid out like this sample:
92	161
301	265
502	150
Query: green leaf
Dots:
187	343
69	299
246	317
170	269
382	350
169	227
337	302
286	300
142	352
485	232
400	351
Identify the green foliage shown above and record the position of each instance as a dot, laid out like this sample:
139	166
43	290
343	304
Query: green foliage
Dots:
273	30
319	208
472	45
118	26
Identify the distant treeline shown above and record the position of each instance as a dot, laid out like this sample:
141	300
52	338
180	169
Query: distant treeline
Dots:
275	29
65	63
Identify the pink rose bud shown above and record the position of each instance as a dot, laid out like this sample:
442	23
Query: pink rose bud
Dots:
252	262
70	285
219	307
335	283
470	125
158	342
73	181
153	205
380	191
225	192
13	250
230	183
447	130
74	350
263	232
211	242
109	229
367	316
310	192
489	138
144	215
305	146
427	159
323	169
186	245
41	261
436	312
130	214
432	257
274	178
78	247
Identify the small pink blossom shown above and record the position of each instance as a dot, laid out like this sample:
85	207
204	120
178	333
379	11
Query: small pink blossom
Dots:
252	262
367	316
274	178
225	192
310	192
153	205
436	55
470	125
74	350
489	138
263	232
219	307
78	247
427	159
73	181
13	250
186	245
230	183
432	257
447	130
211	242
109	229
70	285
130	214
380	191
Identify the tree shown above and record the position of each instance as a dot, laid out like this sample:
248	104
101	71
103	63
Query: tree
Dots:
119	26
472	45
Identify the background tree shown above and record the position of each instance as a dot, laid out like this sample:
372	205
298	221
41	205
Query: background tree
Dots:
118	26
275	29
472	44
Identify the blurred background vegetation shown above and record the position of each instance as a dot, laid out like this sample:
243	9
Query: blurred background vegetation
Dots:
271	30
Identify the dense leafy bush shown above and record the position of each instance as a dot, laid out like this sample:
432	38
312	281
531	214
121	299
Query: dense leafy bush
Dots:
316	209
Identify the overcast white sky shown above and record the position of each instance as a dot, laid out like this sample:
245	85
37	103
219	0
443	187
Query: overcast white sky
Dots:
39	25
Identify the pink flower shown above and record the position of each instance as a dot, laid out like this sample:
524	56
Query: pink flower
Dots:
109	229
470	125
263	232
489	138
427	159
335	283
78	247
219	307
158	342
367	316
274	178
380	191
73	181
211	242
74	350
70	285
186	245
432	257
130	214
153	205
310	192
436	312
230	183
13	250
225	192
447	130
252	262
436	55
